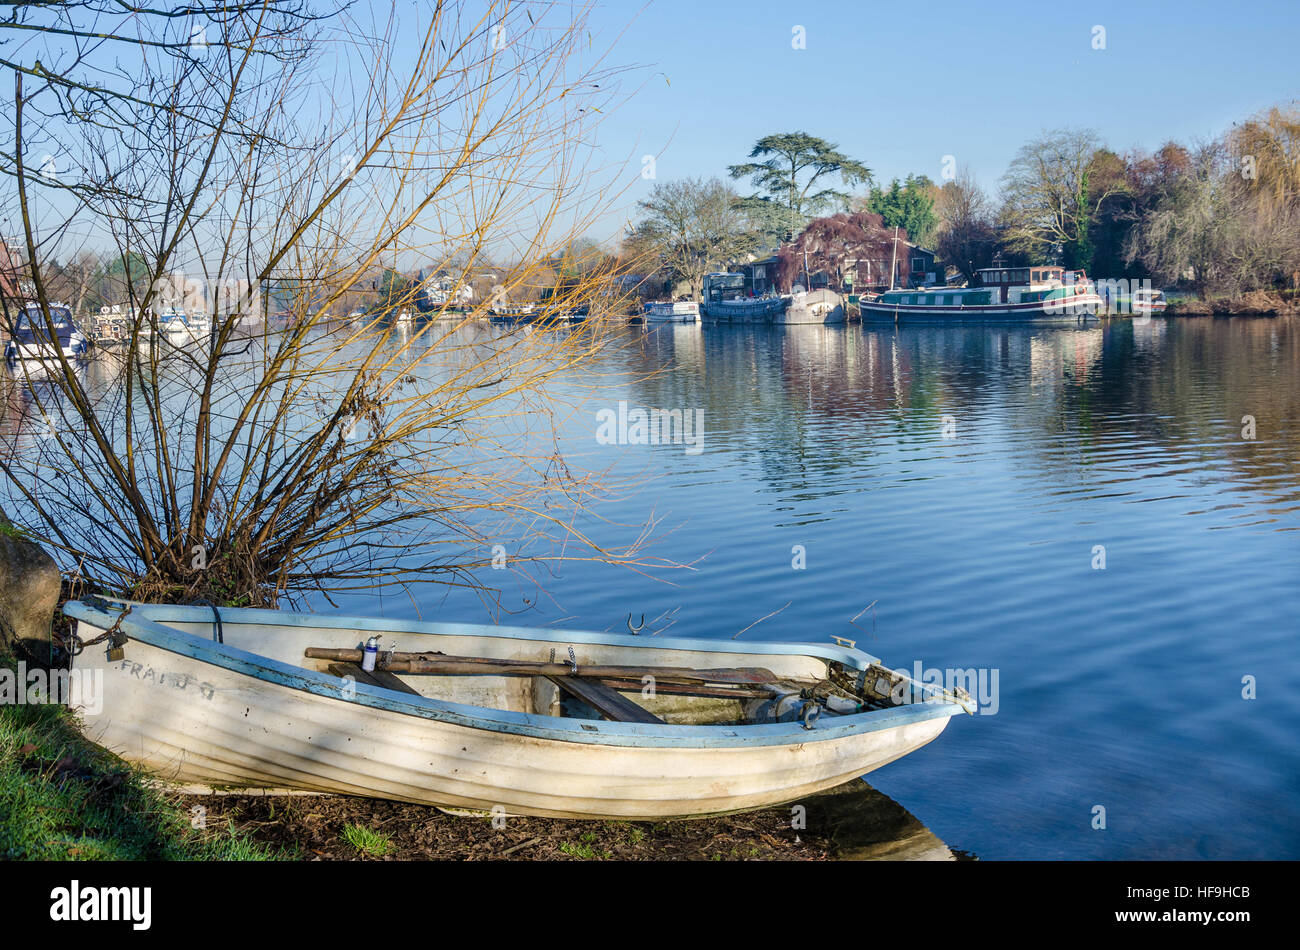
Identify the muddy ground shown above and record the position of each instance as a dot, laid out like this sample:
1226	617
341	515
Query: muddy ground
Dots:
852	822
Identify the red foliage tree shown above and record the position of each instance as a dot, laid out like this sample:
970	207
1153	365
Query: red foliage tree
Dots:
834	243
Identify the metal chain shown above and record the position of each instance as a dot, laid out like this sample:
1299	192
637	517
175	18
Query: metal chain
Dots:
78	644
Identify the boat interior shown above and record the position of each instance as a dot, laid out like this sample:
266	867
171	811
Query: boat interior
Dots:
627	682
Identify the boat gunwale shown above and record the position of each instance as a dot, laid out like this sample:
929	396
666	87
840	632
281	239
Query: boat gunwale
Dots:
138	625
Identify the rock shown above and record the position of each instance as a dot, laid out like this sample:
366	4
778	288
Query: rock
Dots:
30	585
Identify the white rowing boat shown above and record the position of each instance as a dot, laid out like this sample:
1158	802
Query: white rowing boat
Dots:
519	720
668	311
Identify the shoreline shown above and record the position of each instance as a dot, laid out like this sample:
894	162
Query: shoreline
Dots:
851	822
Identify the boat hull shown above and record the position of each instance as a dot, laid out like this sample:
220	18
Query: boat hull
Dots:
43	352
765	310
818	307
680	312
1084	305
199	713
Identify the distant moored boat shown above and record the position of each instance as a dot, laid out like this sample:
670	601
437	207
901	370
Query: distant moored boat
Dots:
725	301
681	311
1005	293
31	338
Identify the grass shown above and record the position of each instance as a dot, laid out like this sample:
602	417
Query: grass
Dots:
584	848
374	843
635	834
64	798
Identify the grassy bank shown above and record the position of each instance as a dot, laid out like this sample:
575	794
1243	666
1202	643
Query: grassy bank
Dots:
1256	303
64	798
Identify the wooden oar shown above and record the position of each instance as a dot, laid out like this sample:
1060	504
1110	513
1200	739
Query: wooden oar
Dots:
438	664
701	690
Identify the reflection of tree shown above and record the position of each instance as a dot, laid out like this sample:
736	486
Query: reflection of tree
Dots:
808	402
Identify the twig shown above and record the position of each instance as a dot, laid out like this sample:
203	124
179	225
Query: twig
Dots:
761	619
528	843
873	615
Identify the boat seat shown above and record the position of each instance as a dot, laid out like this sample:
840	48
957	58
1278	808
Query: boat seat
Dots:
610	703
381	678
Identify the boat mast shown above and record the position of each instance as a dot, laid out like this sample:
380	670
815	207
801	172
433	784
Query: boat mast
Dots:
893	263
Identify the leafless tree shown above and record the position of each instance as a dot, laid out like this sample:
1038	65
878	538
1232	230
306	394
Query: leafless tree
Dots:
216	150
692	227
966	237
1227	220
1047	196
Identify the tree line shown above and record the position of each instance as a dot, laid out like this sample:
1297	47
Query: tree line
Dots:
1219	218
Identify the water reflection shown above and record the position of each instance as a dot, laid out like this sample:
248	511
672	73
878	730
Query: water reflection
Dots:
974	536
863	824
1076	404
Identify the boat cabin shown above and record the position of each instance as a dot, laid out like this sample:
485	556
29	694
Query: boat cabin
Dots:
720	287
1019	276
30	336
1039	277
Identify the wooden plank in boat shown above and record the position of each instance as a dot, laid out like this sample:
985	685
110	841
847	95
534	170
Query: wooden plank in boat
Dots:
440	664
608	703
705	690
381	678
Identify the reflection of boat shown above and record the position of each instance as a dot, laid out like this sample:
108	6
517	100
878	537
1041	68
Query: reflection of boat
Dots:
1005	293
682	311
531	721
31	338
725	301
863	824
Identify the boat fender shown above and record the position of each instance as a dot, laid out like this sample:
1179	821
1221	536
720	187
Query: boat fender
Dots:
779	707
842	706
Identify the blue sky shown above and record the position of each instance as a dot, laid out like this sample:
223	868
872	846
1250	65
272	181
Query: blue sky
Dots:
901	85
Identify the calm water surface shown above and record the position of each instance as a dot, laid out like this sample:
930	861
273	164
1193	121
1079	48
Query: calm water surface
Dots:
952	491
1119	687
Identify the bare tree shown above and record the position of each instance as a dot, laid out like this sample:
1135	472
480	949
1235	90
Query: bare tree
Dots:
692	226
966	237
1049	198
1226	219
226	148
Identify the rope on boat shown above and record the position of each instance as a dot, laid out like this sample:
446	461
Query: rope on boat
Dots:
218	633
